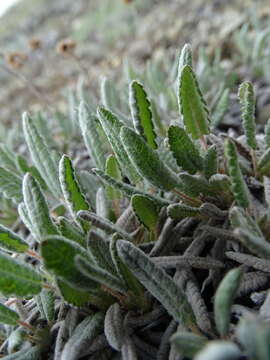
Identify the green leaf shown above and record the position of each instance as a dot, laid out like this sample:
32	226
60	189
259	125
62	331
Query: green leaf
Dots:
17	278
33	353
157	282
112	170
83	335
114	327
100	275
75	297
70	187
180	211
7	160
188	344
264	163
103	224
219	350
99	250
71	231
141	112
247	100
25	168
184	151
127	189
185	58
45	303
238	185
124	272
111	126
89	128
192	104
10	185
147	162
195	185
42	156
210	166
10	241
37	208
224	297
146	211
59	257
256	244
8	316
267	133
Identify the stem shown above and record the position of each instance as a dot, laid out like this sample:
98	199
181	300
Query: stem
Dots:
203	142
41	97
254	162
33	254
26	325
81	66
185	197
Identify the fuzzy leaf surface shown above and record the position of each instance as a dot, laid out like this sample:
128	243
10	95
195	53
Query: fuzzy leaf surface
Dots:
147	161
112	126
70	187
88	124
247	100
59	257
192	104
184	151
42	156
10	241
83	335
37	208
18	278
146	211
10	185
224	298
8	316
157	282
141	113
238	185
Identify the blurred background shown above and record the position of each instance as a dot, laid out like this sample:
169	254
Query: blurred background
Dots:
49	48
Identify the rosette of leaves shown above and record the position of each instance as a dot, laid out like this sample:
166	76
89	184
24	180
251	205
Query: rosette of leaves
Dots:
120	258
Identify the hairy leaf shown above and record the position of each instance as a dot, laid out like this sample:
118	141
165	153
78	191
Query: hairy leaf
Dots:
184	151
192	104
112	170
127	189
188	344
17	278
146	211
70	187
41	155
180	211
238	185
10	185
247	100
210	166
10	241
147	162
224	297
157	282
59	257
221	350
141	113
83	335
91	136
98	274
75	297
111	126
37	208
114	327
8	316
